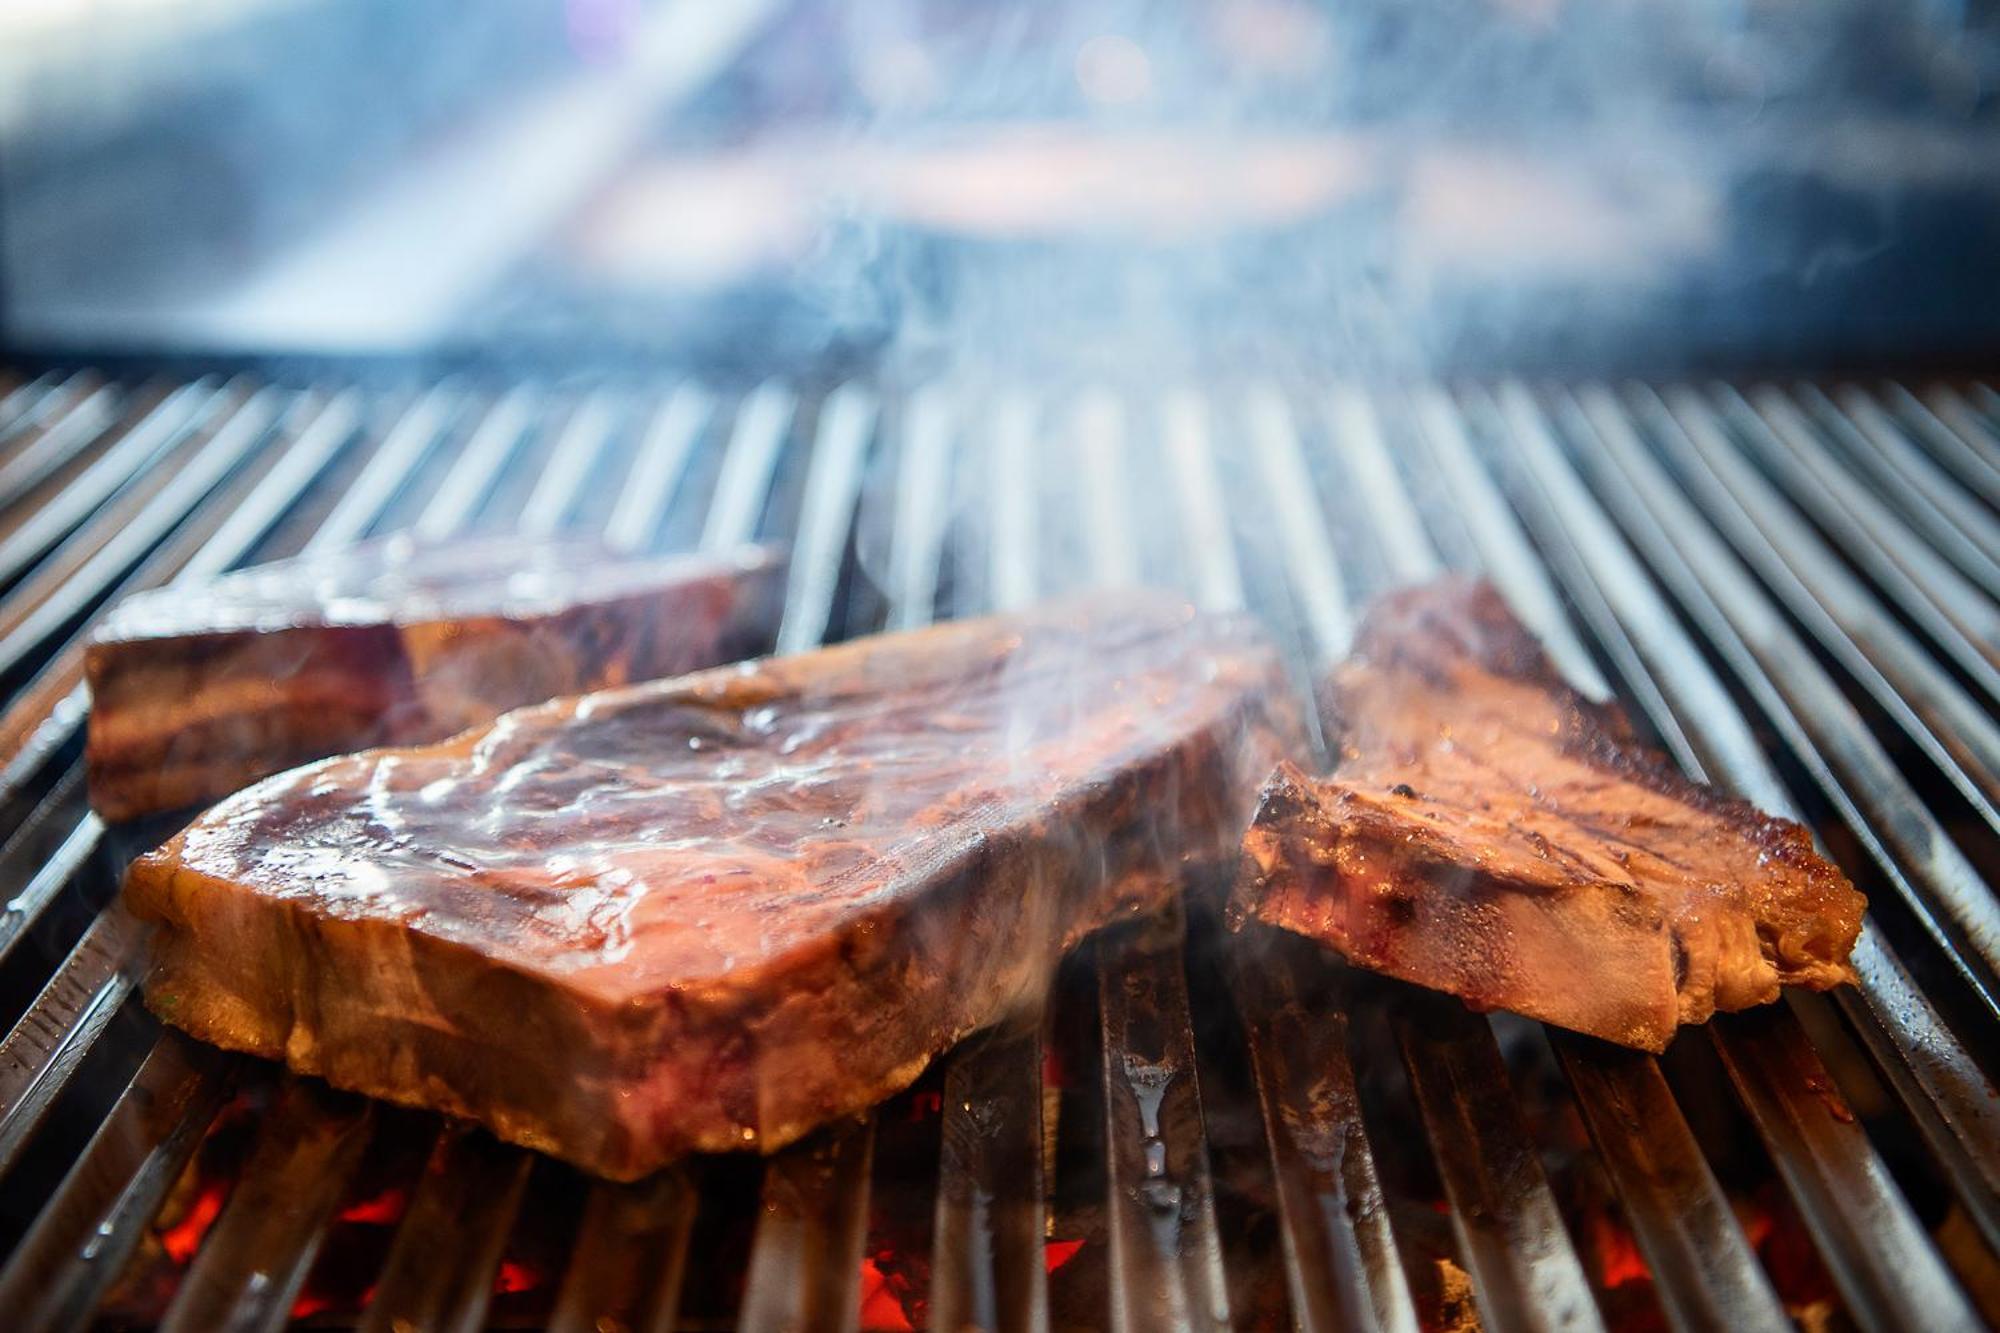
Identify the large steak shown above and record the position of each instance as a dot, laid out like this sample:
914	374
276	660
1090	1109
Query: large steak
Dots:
200	689
717	911
1490	833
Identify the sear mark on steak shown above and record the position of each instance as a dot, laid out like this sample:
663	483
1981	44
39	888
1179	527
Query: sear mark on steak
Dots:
199	689
718	911
1490	833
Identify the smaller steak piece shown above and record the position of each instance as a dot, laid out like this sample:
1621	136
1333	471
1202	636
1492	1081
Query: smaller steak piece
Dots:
1492	834
717	911
198	690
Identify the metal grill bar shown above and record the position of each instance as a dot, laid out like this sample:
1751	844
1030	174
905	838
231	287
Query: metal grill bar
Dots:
987	1268
630	1257
251	1266
1340	1252
163	428
1519	1253
1166	1257
60	429
91	1227
1927	495
805	1259
1956	732
439	1273
1946	425
1341	1262
1827	1163
1950	898
1702	1265
1527	1274
663	457
1959	614
762	422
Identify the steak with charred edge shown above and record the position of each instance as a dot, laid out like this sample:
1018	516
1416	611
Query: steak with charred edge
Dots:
718	911
1490	833
199	689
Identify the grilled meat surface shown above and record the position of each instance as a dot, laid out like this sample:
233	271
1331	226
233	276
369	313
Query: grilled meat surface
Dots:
200	689
715	912
1490	833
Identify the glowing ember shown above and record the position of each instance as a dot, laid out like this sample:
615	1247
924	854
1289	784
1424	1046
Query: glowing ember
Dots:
184	1237
382	1210
515	1277
881	1303
309	1304
1618	1254
925	1104
1056	1253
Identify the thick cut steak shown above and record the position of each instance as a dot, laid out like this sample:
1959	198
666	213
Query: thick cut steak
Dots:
1490	833
200	689
717	911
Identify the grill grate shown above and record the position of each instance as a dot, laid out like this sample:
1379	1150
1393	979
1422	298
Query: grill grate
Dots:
1794	588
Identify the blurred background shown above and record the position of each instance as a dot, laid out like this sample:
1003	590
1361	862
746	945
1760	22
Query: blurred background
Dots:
1661	186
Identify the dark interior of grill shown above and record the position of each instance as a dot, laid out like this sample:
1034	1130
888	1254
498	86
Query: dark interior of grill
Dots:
1790	587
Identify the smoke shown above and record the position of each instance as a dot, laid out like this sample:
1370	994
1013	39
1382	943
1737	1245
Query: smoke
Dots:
1272	184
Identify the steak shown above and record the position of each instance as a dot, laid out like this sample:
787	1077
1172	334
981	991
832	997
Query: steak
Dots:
199	689
1490	833
715	912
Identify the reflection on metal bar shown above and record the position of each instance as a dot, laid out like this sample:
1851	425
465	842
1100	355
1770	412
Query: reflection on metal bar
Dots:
763	420
664	452
1944	1089
1522	1264
1098	428
1198	494
1166	1258
846	422
1356	431
439	1273
805	1259
1884	1263
1341	1262
41	1055
629	1259
1702	1266
987	1269
477	465
253	1262
1310	565
922	510
571	461
89	1228
1011	470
